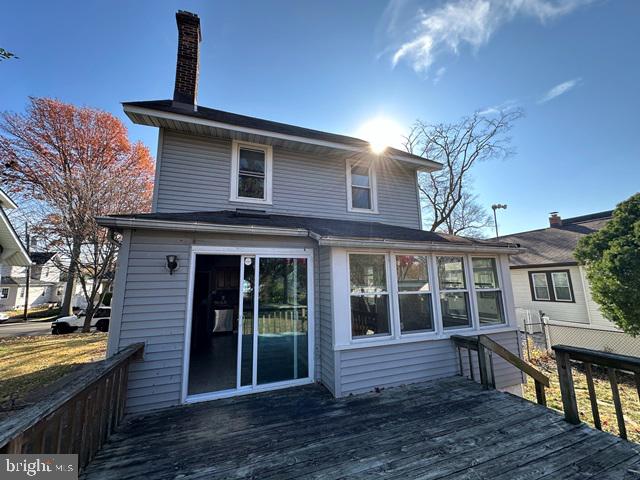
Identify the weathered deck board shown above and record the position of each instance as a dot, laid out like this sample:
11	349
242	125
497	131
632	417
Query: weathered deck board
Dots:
449	428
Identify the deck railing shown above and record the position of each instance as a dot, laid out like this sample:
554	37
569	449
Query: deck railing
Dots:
485	348
612	362
79	416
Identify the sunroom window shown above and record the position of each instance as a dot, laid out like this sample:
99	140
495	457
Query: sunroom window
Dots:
488	292
361	185
251	173
369	294
414	293
454	295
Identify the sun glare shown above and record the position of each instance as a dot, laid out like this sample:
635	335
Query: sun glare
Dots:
381	132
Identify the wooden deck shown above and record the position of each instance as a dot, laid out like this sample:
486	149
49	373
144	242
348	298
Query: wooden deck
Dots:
448	428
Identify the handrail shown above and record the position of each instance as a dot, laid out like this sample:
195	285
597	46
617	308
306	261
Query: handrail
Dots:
613	363
486	346
78	416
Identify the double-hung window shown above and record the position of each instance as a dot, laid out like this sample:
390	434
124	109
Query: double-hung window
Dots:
4	293
369	295
251	173
361	187
488	292
414	293
454	293
551	286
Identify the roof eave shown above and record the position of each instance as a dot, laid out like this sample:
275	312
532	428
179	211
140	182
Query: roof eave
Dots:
130	110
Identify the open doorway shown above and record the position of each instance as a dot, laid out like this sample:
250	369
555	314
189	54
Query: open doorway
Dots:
214	328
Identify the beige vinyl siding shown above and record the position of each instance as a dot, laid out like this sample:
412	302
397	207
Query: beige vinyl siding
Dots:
364	369
597	320
154	304
325	337
195	175
575	312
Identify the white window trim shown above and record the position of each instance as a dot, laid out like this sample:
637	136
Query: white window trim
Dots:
535	294
373	186
469	290
343	336
235	172
553	284
396	296
498	289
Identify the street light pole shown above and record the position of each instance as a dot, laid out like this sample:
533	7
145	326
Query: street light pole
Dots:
495	207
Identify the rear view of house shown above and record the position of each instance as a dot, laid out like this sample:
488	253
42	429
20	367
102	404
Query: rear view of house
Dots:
548	282
277	255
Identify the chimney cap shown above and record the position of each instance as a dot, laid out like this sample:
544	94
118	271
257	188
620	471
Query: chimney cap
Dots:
554	219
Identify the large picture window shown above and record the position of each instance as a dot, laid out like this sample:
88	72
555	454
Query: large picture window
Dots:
488	292
361	187
551	286
414	294
251	173
454	295
369	295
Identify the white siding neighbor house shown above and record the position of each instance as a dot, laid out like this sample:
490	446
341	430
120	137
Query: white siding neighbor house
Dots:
277	256
548	282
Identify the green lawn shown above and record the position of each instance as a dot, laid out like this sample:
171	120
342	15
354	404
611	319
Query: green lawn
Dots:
31	363
628	396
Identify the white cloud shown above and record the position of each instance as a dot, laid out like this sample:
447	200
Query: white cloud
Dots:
560	89
439	74
501	107
455	23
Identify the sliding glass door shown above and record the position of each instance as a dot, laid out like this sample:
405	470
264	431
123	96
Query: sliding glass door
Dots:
269	328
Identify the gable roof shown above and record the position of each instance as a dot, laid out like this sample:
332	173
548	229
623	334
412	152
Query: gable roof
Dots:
324	230
13	251
132	109
40	258
554	246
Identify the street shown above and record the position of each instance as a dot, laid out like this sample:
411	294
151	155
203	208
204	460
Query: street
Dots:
24	329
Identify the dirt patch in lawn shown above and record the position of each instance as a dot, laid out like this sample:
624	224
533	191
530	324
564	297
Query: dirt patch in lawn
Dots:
30	364
628	395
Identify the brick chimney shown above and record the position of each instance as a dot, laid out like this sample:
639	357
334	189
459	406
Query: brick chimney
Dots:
555	220
185	93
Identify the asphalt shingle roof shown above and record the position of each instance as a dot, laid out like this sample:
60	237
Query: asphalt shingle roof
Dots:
324	227
261	124
555	245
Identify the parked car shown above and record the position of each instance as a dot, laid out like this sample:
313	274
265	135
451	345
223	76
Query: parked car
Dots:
71	323
4	316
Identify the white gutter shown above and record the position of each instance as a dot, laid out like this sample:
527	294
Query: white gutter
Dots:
426	164
198	227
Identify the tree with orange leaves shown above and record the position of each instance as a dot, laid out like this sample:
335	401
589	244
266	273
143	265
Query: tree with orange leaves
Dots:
76	163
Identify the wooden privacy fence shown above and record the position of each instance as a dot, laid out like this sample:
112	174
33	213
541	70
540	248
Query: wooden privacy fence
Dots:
485	348
613	364
77	418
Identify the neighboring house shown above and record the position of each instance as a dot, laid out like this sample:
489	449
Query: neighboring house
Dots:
46	285
277	256
547	280
13	253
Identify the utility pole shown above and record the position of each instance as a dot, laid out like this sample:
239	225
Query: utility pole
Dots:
28	276
495	207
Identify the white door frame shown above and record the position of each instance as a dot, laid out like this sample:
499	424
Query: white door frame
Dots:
257	252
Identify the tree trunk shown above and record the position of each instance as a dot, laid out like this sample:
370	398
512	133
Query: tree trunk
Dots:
67	308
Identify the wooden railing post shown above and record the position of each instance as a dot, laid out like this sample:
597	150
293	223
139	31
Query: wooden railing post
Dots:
569	403
541	396
592	396
613	380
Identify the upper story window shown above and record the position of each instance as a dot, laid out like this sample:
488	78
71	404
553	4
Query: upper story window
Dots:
251	173
361	187
551	286
488	291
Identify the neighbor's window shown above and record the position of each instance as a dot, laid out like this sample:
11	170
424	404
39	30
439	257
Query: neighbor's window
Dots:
551	286
369	295
488	293
361	185
454	295
414	293
251	173
21	292
4	293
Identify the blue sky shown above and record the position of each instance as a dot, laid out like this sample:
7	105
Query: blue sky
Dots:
572	65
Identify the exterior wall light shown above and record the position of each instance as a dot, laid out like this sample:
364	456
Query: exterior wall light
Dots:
172	263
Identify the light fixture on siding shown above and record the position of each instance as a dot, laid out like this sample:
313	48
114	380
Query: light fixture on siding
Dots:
172	263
